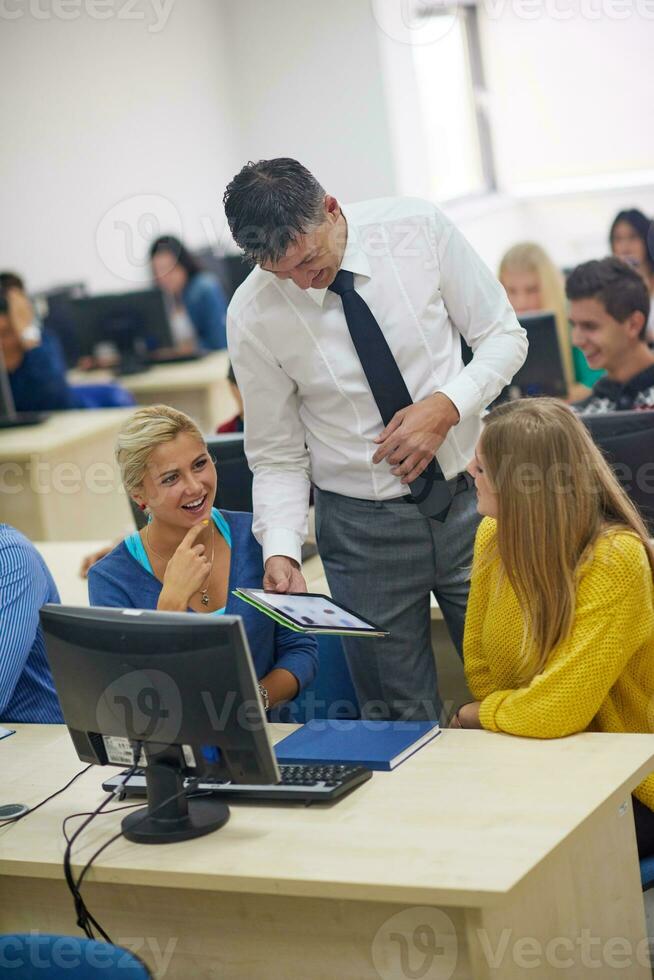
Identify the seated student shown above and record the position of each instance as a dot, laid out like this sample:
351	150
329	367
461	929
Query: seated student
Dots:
237	423
533	283
632	240
197	304
190	556
33	357
27	692
609	305
559	633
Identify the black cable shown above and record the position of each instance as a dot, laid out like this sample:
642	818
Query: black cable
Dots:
47	799
87	813
85	919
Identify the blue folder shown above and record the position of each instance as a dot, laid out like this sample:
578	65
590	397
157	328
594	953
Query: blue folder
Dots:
379	745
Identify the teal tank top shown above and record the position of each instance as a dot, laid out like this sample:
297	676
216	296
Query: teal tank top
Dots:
135	546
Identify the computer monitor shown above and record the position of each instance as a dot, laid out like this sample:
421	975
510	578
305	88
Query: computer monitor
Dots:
183	686
135	323
627	441
542	373
231	270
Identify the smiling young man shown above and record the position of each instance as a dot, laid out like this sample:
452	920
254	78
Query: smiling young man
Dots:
346	344
609	306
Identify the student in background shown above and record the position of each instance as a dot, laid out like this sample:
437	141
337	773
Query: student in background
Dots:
197	303
533	284
559	634
237	423
33	357
632	240
609	306
190	555
27	692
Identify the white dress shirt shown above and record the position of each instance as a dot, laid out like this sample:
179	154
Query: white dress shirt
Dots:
309	413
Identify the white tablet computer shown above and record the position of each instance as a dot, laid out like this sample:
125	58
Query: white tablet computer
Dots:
308	612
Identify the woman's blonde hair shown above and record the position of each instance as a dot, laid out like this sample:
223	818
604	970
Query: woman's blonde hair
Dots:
556	496
143	431
531	258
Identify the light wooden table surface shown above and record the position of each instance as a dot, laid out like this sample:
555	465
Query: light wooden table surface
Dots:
488	853
59	481
199	388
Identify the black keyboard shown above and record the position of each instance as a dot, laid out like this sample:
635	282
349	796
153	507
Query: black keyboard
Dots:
23	418
299	784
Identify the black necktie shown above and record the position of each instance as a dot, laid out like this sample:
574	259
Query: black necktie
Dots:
431	492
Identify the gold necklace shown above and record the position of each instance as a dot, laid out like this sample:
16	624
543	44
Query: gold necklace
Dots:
204	595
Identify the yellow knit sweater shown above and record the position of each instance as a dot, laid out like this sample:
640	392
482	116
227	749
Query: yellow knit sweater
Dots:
601	677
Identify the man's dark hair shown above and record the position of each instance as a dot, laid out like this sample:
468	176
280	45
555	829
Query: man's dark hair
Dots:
169	243
618	287
269	204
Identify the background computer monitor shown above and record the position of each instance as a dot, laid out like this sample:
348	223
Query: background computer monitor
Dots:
542	373
627	441
135	323
231	270
234	491
174	682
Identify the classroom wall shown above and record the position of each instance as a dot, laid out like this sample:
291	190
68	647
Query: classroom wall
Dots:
113	130
309	85
159	112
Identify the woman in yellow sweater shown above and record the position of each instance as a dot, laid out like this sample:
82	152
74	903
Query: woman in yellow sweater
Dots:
559	634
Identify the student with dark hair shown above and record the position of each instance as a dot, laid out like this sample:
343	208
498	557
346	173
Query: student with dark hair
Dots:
346	342
632	240
32	356
197	302
609	306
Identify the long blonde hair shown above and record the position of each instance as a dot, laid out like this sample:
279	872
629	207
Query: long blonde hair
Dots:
531	258
556	496
143	431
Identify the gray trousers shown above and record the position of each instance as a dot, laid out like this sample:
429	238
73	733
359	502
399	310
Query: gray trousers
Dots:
382	560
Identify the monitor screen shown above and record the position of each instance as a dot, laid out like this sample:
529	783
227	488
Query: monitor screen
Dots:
123	320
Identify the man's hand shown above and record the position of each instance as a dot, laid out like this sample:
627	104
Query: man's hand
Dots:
282	574
410	440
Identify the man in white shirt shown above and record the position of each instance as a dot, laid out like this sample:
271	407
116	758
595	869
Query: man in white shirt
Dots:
311	415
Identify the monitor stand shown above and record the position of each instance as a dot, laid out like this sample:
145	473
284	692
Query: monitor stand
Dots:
167	820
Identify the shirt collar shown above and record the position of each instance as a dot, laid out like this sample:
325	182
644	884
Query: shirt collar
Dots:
354	260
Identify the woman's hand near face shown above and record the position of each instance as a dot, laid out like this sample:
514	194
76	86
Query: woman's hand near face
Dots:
185	573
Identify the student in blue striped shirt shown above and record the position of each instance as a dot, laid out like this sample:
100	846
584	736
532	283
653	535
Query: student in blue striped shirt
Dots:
27	692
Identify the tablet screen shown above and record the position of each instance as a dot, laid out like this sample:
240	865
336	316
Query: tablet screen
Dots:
312	611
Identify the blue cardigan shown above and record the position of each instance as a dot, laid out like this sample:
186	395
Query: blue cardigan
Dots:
119	580
206	306
39	383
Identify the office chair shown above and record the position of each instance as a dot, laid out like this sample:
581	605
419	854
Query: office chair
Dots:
627	441
41	956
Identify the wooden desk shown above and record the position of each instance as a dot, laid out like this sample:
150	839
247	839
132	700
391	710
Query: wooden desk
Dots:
58	480
515	852
198	388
